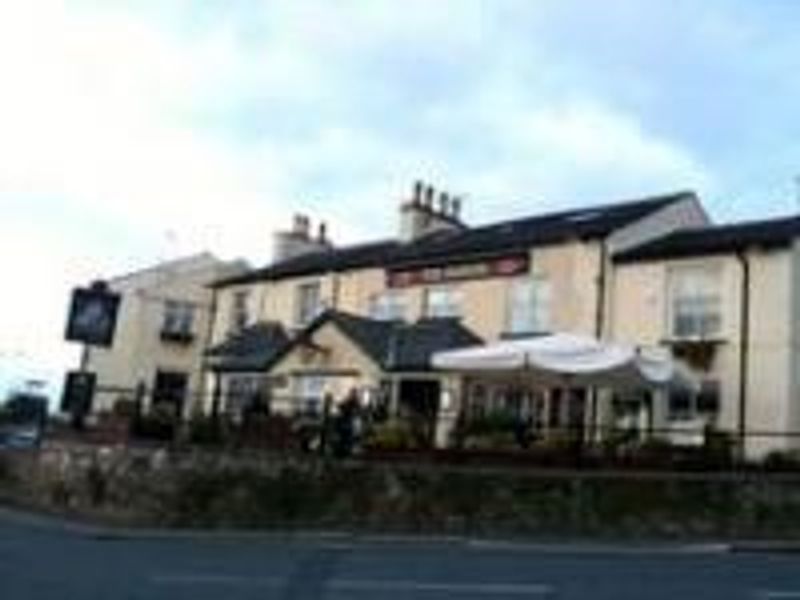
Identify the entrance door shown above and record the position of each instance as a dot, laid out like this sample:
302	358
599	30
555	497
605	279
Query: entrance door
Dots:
170	388
419	402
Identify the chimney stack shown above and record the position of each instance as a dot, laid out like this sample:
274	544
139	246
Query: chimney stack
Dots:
322	233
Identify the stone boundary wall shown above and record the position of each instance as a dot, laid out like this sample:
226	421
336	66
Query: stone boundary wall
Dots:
152	487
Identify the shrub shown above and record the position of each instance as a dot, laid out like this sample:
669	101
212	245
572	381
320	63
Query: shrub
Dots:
782	460
390	436
205	430
160	424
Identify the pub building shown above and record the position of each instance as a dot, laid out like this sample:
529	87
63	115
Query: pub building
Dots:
328	321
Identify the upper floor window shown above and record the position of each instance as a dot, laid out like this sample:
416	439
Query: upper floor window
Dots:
695	301
240	314
178	318
441	302
388	306
528	305
308	303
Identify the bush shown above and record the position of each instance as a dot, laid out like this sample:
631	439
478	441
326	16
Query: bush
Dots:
494	431
390	436
160	424
782	460
205	430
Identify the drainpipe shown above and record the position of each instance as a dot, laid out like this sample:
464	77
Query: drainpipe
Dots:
209	334
599	326
744	344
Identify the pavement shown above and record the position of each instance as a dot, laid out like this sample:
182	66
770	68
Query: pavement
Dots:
44	558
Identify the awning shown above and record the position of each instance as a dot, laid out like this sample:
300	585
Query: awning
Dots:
566	359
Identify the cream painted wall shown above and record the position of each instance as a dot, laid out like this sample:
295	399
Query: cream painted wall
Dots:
276	300
138	351
345	363
640	315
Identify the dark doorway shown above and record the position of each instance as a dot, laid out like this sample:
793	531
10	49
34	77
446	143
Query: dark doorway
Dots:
169	389
419	403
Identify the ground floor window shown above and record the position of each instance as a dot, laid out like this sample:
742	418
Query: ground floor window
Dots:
246	392
687	405
310	390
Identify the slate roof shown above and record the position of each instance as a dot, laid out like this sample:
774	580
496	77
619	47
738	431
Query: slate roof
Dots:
360	256
520	234
468	244
254	348
396	345
721	239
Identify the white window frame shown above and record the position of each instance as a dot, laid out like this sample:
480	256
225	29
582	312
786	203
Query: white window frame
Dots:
179	316
240	310
389	305
693	412
539	301
453	304
306	312
706	322
310	391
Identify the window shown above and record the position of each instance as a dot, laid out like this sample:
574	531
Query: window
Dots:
528	305
695	303
244	392
442	302
309	304
310	392
178	318
388	306
240	315
685	405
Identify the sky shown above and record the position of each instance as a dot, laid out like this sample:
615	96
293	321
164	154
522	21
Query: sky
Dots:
138	131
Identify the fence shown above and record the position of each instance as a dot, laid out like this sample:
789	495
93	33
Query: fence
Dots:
292	423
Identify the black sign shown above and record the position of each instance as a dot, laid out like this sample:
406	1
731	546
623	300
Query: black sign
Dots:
78	392
93	316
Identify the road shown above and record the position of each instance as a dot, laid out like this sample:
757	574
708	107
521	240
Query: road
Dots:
49	561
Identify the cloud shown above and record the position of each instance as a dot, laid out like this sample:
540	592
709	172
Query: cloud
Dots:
132	123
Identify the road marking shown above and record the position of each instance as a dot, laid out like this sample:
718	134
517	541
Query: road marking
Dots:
365	585
226	580
589	548
495	589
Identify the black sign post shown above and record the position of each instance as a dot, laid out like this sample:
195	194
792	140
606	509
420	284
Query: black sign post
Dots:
76	399
92	320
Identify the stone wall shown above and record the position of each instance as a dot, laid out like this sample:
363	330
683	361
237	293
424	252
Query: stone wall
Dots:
151	487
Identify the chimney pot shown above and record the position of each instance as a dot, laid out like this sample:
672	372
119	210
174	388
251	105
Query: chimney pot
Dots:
418	187
322	234
444	204
429	193
455	207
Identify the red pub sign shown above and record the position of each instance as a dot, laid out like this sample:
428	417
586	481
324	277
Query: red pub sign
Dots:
495	267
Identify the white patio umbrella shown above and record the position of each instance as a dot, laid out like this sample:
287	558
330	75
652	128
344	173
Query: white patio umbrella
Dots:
566	359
